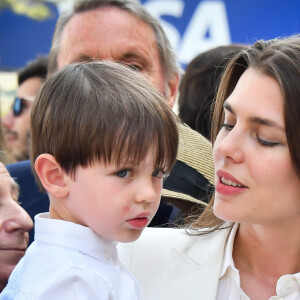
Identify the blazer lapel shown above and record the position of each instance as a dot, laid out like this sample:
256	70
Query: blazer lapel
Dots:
193	274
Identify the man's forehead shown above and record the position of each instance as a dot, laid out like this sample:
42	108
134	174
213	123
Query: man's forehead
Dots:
3	170
107	17
6	178
107	10
106	33
30	87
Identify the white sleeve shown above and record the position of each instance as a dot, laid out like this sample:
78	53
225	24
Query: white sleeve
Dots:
73	284
77	285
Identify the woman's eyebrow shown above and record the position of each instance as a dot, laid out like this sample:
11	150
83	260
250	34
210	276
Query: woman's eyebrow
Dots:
255	120
228	107
265	122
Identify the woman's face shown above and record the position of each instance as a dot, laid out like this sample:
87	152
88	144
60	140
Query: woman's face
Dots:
255	179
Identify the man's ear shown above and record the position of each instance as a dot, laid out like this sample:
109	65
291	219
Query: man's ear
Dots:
172	90
51	175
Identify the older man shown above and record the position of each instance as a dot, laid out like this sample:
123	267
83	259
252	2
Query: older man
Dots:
14	226
123	31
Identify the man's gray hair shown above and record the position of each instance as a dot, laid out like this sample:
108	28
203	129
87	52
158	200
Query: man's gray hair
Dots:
167	54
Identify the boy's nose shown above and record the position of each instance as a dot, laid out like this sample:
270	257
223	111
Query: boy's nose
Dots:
146	191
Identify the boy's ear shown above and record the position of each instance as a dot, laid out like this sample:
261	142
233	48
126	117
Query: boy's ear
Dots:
51	175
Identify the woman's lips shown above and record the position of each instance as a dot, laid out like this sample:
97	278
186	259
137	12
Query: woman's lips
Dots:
227	176
228	185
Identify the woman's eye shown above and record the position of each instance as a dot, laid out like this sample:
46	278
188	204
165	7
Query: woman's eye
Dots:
227	127
266	143
123	173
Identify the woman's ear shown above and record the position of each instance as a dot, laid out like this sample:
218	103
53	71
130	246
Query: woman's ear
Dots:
51	175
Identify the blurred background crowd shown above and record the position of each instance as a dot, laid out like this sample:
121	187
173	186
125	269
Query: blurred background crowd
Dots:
205	35
193	27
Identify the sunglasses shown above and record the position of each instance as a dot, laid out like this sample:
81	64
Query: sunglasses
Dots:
18	106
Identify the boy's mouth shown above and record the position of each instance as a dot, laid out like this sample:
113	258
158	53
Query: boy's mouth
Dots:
140	221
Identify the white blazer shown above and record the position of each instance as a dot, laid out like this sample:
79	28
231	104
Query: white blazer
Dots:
172	265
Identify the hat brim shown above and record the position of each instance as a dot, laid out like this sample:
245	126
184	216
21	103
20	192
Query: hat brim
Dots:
181	196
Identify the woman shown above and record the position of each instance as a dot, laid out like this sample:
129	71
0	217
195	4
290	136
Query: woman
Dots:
246	244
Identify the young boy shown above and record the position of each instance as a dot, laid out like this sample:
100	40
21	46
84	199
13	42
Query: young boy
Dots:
102	142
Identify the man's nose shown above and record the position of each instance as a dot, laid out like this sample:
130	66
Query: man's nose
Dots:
17	219
8	120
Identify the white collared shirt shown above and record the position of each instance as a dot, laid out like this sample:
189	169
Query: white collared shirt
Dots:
69	261
287	288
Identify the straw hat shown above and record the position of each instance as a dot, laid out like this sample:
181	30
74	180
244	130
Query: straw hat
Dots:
192	178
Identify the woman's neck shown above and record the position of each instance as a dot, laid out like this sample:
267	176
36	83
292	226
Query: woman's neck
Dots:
265	249
263	254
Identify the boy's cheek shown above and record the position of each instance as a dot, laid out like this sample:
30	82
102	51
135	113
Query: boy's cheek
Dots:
126	208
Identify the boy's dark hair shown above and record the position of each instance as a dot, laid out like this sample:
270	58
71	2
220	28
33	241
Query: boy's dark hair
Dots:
101	111
36	68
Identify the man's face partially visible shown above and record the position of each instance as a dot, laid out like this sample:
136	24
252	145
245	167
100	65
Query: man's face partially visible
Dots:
14	226
16	128
109	33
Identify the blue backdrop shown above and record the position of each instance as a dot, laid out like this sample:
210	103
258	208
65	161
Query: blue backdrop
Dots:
193	26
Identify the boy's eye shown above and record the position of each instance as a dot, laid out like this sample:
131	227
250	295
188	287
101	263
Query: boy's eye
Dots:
123	173
160	174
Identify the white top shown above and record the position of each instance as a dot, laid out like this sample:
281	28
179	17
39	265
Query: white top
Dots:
69	261
287	288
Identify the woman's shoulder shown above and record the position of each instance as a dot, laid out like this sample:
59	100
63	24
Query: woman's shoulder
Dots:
166	235
163	236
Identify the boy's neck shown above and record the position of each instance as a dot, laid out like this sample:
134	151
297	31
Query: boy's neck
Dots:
60	213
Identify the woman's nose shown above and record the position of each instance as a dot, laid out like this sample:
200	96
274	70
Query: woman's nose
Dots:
230	146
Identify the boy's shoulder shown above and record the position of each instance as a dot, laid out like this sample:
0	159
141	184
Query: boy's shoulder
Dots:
64	259
50	271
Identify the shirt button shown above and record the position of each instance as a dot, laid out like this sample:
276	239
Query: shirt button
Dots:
288	283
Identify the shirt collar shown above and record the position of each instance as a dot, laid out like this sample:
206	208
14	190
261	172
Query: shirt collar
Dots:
227	258
75	236
297	277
